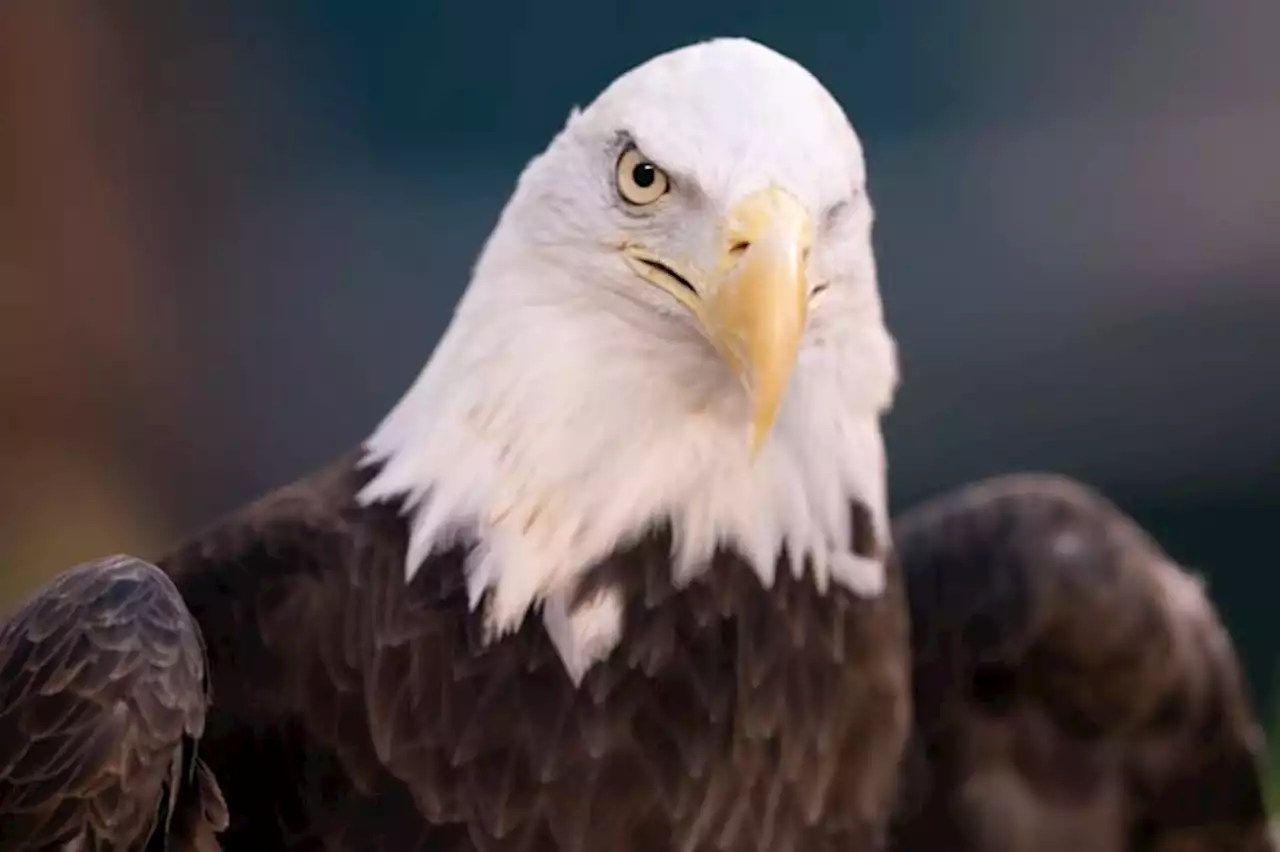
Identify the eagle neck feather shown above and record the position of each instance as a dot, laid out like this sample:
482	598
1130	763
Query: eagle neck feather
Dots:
556	456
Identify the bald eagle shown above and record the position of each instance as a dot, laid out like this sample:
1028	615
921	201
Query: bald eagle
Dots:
615	573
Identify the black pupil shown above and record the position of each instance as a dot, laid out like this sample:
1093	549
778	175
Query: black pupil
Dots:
644	175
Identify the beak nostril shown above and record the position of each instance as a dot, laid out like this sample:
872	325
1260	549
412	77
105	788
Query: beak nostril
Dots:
804	256
739	248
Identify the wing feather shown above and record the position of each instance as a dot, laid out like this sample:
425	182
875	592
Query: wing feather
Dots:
1074	686
102	698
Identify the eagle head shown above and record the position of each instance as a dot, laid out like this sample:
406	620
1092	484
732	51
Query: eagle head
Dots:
675	321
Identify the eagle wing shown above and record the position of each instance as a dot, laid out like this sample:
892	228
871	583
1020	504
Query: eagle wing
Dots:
1074	688
102	698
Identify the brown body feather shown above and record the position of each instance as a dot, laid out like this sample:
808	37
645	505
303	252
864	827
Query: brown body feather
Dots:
102	699
355	713
1073	690
1074	687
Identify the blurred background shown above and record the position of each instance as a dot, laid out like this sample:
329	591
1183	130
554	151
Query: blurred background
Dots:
231	232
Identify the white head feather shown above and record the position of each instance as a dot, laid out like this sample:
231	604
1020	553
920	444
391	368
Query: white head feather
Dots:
570	407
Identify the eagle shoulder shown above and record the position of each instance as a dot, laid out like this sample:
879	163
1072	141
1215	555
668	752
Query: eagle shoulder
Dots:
1073	684
103	698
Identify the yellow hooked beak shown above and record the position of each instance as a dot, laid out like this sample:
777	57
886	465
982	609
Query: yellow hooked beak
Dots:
753	308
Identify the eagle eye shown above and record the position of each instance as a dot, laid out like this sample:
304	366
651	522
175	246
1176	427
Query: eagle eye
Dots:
639	181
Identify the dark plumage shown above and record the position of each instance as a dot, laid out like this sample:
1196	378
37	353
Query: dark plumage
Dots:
354	713
103	697
1074	688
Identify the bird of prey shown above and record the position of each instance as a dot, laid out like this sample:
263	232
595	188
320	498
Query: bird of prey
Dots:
612	573
615	573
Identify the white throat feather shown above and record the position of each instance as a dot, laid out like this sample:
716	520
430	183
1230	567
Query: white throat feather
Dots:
561	417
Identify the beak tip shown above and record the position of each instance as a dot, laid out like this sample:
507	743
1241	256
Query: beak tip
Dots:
757	315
